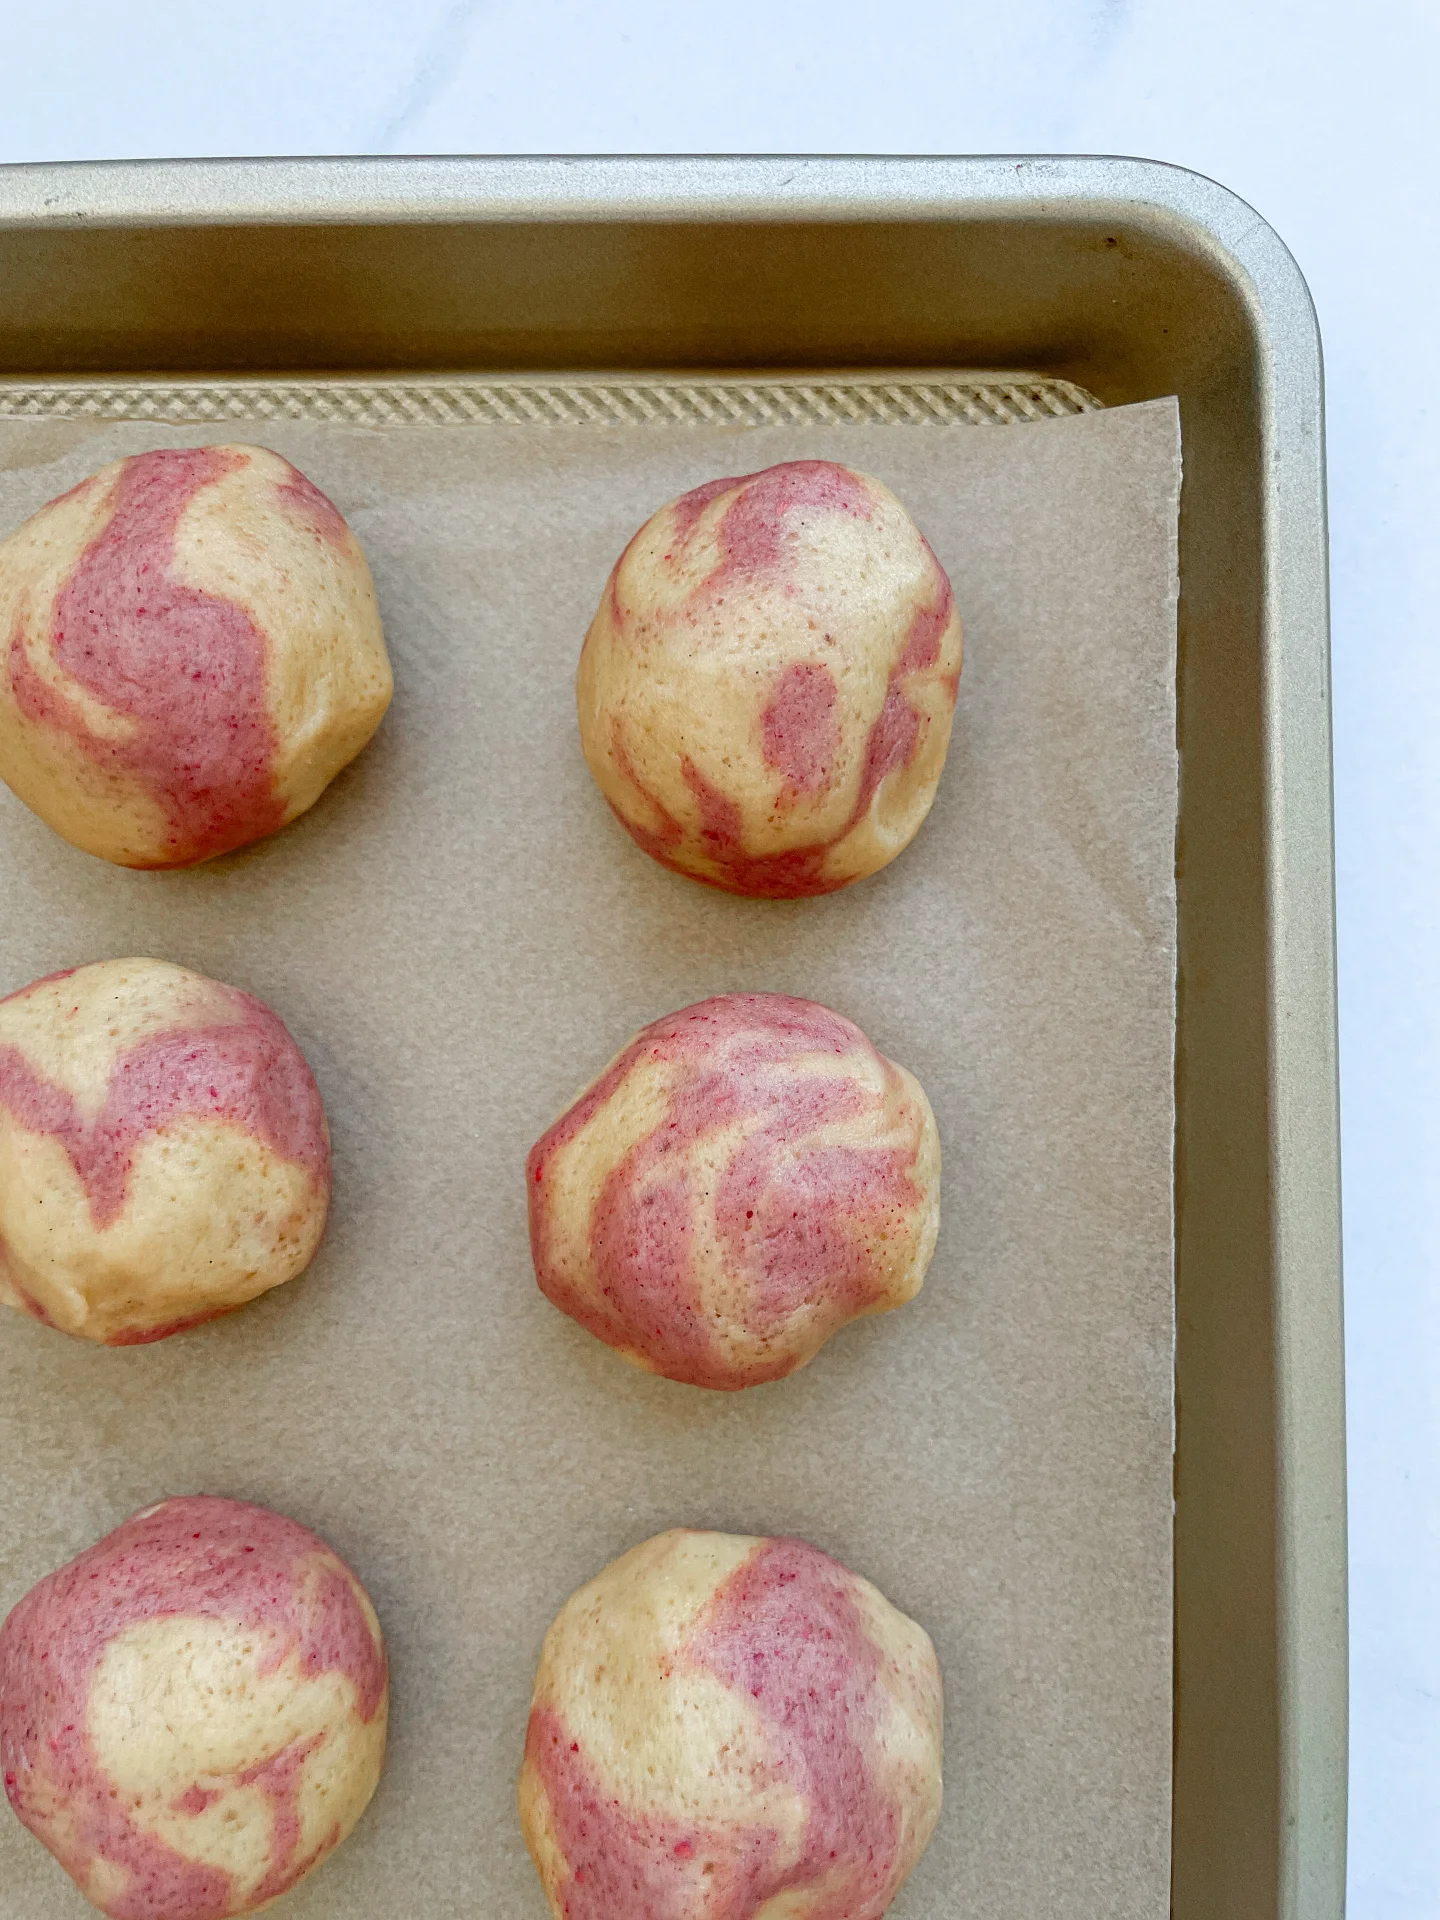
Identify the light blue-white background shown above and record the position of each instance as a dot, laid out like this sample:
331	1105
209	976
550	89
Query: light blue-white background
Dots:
1325	114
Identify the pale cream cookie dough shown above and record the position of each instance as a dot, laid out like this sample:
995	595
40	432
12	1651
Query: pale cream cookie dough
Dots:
164	1155
748	1175
766	691
730	1728
190	651
193	1712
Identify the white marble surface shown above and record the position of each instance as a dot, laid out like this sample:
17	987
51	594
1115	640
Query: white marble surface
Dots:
1323	115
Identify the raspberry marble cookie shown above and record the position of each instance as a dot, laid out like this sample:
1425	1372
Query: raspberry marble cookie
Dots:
745	1178
163	1151
193	1712
730	1728
767	689
190	650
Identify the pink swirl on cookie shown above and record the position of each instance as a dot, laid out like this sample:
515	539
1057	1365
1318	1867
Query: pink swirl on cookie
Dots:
808	1762
767	689
753	533
802	729
185	666
747	1176
249	1074
299	1725
163	1150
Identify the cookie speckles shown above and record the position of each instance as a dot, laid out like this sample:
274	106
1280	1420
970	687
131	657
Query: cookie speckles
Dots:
304	502
801	729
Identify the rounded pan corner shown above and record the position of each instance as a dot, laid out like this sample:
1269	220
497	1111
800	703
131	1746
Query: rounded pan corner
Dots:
1179	209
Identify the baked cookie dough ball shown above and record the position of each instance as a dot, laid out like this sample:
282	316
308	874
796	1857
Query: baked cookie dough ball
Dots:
767	689
729	1728
190	651
748	1175
192	1713
163	1151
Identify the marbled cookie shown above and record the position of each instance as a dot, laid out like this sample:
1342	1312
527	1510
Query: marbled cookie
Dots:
767	689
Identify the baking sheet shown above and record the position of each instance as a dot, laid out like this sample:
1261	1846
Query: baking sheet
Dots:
459	935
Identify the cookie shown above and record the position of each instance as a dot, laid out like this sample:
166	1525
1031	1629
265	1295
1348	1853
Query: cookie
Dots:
190	651
766	691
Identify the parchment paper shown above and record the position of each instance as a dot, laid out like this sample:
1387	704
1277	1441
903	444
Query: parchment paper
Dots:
459	935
